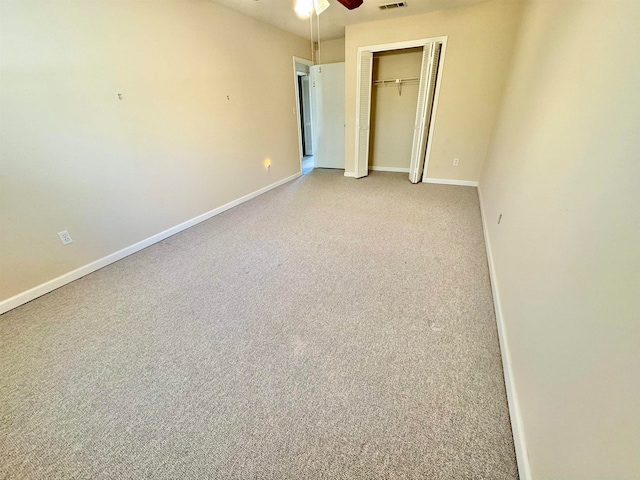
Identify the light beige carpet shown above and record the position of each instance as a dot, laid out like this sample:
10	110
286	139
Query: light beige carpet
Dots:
330	329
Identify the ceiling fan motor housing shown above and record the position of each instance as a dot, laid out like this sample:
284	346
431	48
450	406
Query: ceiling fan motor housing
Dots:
351	4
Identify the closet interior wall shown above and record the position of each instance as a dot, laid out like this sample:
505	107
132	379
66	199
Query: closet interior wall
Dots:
393	108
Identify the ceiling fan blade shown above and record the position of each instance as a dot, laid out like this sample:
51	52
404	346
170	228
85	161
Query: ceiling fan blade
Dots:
320	6
351	4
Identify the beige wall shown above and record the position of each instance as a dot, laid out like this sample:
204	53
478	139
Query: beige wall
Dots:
393	112
480	44
332	51
207	95
563	171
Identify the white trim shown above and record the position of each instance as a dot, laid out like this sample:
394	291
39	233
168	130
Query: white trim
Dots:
421	42
446	181
69	277
389	169
517	427
350	174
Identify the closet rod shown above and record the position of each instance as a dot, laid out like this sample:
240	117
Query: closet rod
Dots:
395	81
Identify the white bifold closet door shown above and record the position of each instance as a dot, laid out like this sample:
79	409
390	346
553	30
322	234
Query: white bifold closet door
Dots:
327	92
363	120
426	92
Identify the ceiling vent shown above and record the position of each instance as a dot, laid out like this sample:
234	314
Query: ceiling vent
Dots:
392	5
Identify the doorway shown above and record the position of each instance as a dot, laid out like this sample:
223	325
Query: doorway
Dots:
429	80
305	114
396	75
304	110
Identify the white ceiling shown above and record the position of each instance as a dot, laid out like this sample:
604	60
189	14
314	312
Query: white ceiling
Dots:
333	20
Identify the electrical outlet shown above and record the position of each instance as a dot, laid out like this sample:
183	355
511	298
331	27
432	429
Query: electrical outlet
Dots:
456	161
65	238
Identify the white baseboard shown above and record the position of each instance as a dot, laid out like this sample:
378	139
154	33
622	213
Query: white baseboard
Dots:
389	169
522	457
444	181
69	277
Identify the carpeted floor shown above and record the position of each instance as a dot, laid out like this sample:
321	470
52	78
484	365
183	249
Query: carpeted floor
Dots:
330	329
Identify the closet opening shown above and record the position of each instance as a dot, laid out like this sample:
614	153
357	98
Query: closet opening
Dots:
396	77
383	126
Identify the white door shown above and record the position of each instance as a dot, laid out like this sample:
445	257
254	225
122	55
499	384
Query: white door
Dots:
363	109
327	92
431	113
426	91
307	130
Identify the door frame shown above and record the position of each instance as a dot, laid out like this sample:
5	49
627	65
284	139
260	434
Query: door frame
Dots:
384	47
308	63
